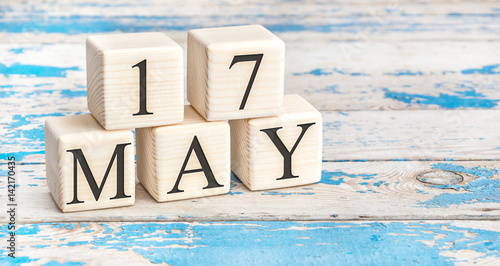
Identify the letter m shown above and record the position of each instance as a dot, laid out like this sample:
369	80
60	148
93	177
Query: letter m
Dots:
78	157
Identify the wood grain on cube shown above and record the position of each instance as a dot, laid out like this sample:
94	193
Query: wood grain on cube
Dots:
67	138
163	151
221	63
114	65
255	155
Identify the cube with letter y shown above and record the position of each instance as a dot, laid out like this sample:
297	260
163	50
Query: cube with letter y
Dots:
135	80
235	72
87	166
187	160
278	151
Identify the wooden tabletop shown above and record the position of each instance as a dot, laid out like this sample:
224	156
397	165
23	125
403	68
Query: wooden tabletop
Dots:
410	97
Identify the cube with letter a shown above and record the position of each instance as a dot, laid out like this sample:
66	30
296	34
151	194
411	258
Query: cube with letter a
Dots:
135	80
278	151
235	72
187	160
87	166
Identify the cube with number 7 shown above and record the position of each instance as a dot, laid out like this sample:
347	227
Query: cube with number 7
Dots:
135	80
235	72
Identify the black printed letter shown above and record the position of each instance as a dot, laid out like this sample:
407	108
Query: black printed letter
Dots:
205	167
287	155
96	190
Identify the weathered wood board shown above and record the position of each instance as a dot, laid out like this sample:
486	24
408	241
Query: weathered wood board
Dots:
379	76
347	191
347	135
51	21
252	243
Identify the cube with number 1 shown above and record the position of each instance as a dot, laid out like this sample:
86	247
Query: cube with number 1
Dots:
135	80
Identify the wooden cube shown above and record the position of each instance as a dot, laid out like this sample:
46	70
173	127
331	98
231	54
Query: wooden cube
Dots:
87	166
235	72
135	80
279	151
187	160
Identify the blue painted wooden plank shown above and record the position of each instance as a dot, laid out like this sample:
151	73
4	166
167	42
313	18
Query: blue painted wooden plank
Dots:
79	24
263	243
311	16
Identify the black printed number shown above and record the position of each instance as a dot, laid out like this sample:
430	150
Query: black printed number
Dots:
142	88
244	58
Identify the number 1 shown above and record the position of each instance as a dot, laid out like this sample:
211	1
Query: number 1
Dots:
243	58
142	88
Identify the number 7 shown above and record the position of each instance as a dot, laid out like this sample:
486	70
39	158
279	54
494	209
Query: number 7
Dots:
243	58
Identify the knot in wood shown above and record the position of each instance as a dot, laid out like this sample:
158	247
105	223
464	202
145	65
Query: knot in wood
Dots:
439	177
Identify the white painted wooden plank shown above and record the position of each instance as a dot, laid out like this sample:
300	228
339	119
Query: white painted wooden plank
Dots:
258	243
411	135
402	75
354	135
348	190
224	8
396	20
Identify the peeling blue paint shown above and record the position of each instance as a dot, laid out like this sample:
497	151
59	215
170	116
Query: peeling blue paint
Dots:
283	243
107	229
20	155
69	226
485	70
333	89
327	177
327	72
66	263
71	94
379	183
465	100
315	72
34	135
41	246
234	183
404	73
16	50
35	70
6	94
75	24
421	191
483	189
283	194
7	261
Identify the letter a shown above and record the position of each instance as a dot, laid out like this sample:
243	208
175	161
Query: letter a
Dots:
287	155
205	167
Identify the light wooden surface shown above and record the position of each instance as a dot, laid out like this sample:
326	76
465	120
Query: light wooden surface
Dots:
97	147
134	80
256	158
166	154
235	72
409	97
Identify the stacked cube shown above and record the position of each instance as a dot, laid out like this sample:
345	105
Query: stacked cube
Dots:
234	74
